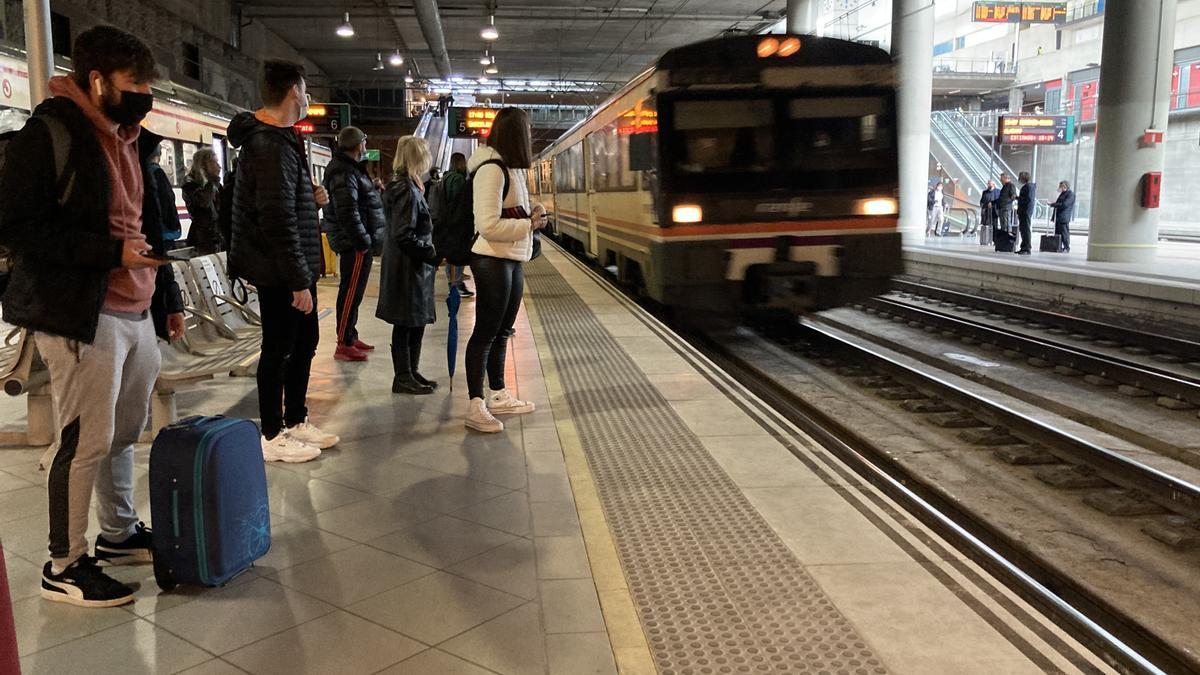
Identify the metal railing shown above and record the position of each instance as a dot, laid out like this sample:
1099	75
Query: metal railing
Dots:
973	66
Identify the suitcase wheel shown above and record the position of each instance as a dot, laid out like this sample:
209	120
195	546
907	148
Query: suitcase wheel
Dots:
163	577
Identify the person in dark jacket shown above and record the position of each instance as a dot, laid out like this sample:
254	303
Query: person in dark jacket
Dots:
353	221
158	186
202	196
158	216
1025	205
987	206
83	285
276	247
409	266
1005	203
1064	213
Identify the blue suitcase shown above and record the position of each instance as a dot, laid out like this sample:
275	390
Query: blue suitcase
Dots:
208	501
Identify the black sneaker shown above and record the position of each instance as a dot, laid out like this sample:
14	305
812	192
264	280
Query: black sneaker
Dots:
464	291
134	550
84	584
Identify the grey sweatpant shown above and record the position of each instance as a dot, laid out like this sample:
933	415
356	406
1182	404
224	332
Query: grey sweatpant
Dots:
101	397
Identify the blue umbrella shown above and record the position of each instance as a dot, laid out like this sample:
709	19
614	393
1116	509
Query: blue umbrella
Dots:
453	300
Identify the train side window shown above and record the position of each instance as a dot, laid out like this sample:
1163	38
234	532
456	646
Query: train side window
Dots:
166	160
610	152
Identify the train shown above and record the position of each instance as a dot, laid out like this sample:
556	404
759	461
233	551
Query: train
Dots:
185	127
739	174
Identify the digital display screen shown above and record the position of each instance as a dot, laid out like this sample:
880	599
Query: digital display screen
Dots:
1021	12
471	122
1037	129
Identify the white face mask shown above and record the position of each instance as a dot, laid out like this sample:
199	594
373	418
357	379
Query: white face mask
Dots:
304	107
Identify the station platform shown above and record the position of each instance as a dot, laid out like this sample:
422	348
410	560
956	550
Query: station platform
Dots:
1166	291
650	516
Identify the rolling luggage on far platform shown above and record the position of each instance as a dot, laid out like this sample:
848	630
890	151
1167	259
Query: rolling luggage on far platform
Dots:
1051	243
1006	242
985	235
208	500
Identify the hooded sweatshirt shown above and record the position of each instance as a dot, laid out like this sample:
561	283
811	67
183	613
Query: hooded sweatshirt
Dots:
129	291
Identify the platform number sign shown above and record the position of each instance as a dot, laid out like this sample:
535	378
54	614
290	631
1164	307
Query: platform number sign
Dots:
1037	129
325	119
1020	12
471	122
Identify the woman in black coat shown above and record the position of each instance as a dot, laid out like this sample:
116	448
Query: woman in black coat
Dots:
409	266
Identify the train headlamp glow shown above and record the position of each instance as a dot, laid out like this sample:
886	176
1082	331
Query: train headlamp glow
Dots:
687	213
881	206
767	47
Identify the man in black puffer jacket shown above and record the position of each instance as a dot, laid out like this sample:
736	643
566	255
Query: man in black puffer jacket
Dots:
354	221
277	247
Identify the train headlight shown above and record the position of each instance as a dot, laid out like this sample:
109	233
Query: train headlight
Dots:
882	206
687	213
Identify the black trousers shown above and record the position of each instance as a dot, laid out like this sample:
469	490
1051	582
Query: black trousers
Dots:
1064	230
354	268
290	340
406	350
499	287
1026	232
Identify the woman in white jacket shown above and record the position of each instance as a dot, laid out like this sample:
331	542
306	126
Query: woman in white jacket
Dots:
505	221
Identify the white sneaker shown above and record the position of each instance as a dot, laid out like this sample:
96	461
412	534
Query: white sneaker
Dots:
310	434
480	419
284	448
503	403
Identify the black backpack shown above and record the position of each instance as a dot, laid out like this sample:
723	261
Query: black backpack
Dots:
60	144
454	233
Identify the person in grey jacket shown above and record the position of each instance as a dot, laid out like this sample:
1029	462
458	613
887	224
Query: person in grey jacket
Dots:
409	267
1064	213
354	220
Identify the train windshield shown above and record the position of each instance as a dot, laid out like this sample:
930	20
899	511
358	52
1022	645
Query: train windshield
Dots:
811	142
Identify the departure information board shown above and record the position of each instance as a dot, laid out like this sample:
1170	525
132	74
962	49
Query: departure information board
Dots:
470	122
1021	12
1037	129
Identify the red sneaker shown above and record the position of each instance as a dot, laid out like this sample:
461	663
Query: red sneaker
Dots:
344	353
363	347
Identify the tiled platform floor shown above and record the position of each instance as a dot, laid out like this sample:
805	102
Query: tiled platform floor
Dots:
415	547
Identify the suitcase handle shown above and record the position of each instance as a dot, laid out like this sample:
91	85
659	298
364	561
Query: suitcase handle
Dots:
191	421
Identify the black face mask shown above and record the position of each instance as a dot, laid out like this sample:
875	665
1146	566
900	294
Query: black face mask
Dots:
131	109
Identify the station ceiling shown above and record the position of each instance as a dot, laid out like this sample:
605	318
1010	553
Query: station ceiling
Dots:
540	40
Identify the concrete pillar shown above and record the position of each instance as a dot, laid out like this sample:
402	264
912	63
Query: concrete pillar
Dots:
39	47
912	49
803	16
1135	90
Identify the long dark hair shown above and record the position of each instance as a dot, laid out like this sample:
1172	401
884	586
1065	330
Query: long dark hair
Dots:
510	138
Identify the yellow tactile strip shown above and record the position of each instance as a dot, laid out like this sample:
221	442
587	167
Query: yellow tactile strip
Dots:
629	644
713	587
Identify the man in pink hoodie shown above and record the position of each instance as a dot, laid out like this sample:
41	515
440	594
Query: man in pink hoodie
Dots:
71	211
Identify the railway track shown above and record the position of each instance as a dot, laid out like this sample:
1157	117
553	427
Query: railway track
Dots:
1129	644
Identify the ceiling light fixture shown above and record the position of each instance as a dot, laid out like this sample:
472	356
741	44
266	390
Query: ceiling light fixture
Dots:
378	61
489	31
408	79
486	58
346	29
492	69
396	59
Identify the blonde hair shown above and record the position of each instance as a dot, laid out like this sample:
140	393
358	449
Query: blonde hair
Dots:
199	161
412	157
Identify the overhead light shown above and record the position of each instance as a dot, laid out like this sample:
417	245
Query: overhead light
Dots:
492	69
378	61
396	59
408	79
486	58
346	30
489	31
483	79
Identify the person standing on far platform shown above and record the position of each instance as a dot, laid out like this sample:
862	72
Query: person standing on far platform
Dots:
1064	212
987	206
1025	204
936	208
276	246
1005	203
409	267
